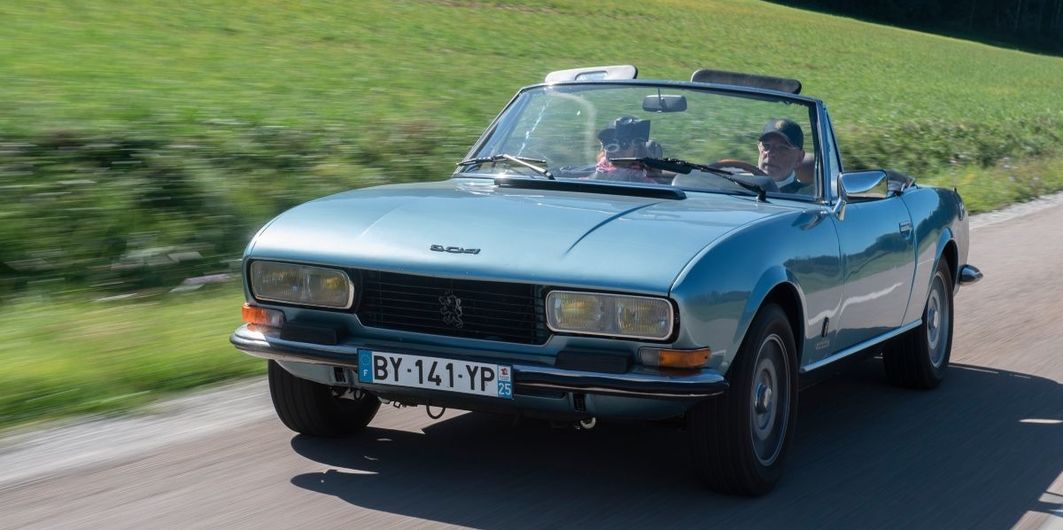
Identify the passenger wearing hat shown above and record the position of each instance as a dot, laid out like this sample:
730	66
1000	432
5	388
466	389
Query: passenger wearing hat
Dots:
625	137
781	147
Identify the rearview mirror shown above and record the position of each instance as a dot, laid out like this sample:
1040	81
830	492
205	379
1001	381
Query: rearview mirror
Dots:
865	185
664	103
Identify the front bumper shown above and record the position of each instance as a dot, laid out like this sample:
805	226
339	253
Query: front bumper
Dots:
640	382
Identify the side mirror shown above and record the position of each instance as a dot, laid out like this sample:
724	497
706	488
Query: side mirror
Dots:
664	103
863	185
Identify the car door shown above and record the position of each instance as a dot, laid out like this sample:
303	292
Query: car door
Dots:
878	262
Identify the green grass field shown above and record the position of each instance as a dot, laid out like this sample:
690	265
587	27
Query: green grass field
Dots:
249	107
70	357
107	62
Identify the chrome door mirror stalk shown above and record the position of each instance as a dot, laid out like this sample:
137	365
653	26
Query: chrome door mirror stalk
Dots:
839	206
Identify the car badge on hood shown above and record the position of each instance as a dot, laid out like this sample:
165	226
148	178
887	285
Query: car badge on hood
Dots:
454	250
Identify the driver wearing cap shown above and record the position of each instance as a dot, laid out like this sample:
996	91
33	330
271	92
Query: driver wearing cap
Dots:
781	150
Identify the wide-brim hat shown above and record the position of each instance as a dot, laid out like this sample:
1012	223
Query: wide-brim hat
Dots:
625	129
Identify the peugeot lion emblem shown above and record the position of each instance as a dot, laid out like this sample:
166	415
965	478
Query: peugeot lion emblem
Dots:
450	308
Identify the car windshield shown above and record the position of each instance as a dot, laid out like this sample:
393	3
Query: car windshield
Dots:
653	135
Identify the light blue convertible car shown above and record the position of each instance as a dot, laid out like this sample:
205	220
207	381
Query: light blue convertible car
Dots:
614	248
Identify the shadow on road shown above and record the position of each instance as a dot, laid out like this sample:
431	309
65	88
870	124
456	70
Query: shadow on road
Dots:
868	455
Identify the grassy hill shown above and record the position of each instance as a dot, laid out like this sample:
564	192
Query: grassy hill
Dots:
144	143
113	64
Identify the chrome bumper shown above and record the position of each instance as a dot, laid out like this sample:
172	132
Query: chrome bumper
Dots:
639	382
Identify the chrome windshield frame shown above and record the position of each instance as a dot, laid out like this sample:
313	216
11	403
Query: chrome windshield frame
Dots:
815	106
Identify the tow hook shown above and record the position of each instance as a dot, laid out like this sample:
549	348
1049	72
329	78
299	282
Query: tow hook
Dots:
355	394
396	404
587	424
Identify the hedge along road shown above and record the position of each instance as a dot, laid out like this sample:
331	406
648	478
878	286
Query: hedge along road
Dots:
983	451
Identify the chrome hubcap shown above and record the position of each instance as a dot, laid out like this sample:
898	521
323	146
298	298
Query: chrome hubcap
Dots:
769	410
763	401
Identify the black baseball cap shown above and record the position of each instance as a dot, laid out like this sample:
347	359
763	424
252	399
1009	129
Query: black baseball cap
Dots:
625	129
789	130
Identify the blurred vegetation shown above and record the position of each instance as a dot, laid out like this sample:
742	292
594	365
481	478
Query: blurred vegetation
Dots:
79	356
141	147
126	211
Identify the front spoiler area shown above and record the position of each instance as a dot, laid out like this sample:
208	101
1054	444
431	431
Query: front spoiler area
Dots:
641	382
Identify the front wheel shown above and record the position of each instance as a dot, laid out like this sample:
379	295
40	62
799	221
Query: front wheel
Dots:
739	440
313	409
918	358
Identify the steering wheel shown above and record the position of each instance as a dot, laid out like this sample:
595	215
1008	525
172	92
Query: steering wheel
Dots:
731	163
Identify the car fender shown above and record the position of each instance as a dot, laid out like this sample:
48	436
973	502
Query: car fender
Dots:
939	251
770	279
727	284
936	216
915	305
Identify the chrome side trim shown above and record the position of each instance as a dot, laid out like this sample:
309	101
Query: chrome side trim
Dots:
861	346
616	392
700	384
969	274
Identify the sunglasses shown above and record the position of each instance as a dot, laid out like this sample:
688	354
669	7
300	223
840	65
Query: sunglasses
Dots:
617	145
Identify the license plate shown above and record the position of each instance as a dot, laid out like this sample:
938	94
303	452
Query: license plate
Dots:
416	371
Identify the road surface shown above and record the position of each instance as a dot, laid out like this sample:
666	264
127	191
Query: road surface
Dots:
983	451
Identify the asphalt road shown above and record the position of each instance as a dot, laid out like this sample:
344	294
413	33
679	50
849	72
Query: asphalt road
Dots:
983	451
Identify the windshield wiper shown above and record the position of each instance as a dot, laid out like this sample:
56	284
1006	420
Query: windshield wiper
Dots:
529	163
682	166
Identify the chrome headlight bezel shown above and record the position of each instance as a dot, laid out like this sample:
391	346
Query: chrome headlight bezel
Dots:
606	300
305	270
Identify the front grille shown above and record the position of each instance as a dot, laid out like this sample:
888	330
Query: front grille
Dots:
508	312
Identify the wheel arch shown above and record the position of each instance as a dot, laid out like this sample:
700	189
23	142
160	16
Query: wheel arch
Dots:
950	253
788	298
780	287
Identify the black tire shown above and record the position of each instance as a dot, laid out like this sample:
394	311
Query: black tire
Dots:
740	440
312	409
920	357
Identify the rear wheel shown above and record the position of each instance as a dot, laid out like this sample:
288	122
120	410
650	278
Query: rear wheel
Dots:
314	409
918	358
740	440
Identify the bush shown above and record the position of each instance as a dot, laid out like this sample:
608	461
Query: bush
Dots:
114	213
126	211
930	146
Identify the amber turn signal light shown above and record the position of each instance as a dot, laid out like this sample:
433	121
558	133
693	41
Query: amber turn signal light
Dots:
665	358
260	316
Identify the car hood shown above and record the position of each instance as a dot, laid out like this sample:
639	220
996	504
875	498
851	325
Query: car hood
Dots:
557	238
